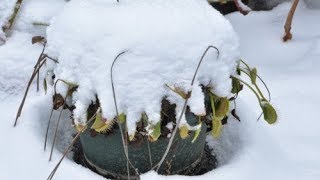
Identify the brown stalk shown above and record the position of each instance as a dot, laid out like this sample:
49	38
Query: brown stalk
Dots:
12	18
36	70
47	131
74	140
287	26
57	126
240	9
41	60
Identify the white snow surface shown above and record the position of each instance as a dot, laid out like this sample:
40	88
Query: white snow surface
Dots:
248	150
164	41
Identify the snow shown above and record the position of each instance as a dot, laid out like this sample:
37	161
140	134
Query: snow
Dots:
163	40
247	150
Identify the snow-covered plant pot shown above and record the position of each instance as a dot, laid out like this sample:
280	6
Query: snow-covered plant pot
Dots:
143	80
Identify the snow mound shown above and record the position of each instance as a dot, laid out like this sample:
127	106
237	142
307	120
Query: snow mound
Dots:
163	41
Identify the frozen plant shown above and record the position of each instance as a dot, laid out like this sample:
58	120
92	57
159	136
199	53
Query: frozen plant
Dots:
143	57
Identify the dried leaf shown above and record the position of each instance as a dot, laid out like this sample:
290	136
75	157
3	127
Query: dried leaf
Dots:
58	101
37	39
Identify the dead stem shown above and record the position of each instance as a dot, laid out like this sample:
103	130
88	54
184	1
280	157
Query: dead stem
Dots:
183	109
74	140
287	26
123	136
239	7
12	18
57	126
42	60
47	131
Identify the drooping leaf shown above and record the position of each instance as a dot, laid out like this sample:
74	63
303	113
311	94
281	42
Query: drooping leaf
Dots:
236	86
269	113
222	107
100	125
180	91
216	127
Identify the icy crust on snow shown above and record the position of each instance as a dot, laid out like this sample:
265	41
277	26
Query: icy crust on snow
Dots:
163	40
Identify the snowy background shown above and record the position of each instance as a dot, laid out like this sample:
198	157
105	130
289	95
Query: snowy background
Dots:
247	150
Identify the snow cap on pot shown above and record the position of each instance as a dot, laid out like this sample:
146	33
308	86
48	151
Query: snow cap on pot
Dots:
162	41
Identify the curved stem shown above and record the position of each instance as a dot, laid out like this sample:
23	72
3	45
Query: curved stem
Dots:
27	90
245	64
257	95
255	84
183	109
123	136
57	126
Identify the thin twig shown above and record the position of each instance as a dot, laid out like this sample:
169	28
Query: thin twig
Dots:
123	136
242	8
57	126
183	109
287	26
39	59
54	60
12	18
47	131
27	90
74	140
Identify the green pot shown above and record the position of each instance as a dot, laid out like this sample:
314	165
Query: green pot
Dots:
105	154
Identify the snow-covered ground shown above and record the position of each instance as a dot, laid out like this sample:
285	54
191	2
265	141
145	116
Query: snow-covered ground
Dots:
247	150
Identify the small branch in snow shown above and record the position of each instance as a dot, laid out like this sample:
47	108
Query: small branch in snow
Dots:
74	140
39	64
7	26
287	26
183	109
41	61
243	9
57	126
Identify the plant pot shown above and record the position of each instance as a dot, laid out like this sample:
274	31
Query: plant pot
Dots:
105	153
